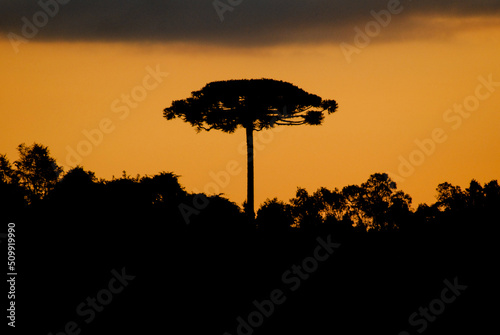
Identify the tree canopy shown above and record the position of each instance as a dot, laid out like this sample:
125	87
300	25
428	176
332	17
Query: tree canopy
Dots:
255	103
36	170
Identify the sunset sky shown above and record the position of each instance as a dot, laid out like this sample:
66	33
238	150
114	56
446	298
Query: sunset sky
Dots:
417	82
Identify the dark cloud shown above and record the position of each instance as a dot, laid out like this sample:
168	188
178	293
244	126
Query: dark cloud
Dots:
250	22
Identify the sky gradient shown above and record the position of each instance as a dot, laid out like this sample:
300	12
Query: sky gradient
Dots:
417	83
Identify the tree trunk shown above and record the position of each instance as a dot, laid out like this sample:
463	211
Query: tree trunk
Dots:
250	211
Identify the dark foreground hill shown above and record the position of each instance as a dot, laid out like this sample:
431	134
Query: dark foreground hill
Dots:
193	280
142	255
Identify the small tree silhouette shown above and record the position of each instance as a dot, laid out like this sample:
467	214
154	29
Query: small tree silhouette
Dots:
36	171
450	197
254	104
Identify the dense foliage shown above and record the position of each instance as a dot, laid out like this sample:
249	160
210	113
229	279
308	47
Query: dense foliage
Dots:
36	181
200	266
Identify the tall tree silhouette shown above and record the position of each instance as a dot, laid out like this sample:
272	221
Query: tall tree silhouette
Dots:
254	105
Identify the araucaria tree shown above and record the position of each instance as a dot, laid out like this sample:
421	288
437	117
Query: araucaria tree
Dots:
254	105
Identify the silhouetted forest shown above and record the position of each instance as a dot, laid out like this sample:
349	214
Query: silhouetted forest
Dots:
201	266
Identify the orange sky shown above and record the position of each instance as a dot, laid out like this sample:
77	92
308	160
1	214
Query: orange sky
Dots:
390	95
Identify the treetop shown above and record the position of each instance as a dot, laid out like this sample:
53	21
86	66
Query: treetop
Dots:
257	103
